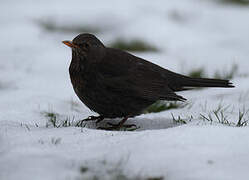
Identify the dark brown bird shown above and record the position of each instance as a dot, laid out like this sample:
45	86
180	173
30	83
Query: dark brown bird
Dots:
116	84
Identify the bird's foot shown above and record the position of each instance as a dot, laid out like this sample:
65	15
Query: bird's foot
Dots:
90	118
93	118
125	127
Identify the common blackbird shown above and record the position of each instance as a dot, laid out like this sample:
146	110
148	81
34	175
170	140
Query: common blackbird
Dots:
117	84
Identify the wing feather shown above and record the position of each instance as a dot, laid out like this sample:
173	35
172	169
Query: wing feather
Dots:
133	76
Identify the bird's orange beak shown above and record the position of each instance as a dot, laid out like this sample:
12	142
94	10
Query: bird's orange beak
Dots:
70	44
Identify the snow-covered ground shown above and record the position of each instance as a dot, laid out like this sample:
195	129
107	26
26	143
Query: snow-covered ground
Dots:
190	34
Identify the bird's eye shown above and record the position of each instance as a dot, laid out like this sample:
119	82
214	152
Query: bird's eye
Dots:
86	45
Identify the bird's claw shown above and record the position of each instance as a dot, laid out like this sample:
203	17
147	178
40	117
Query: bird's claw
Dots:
126	127
90	118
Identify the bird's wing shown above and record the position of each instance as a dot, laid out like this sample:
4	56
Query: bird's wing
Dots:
133	76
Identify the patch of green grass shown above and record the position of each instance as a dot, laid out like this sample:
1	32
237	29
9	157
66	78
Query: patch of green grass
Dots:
160	106
178	120
229	74
220	115
133	45
26	126
236	2
57	121
83	169
242	121
197	73
155	178
52	118
225	74
52	26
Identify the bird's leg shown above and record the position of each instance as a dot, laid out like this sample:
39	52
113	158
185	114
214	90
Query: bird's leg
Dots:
91	118
119	125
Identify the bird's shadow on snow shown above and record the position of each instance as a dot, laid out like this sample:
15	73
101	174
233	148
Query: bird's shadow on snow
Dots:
141	123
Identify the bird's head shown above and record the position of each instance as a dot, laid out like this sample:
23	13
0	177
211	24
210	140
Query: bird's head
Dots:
87	47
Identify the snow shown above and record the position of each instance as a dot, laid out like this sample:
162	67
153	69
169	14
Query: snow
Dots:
34	79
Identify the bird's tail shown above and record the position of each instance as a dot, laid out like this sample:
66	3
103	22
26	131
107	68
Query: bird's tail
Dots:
205	82
181	83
